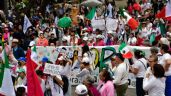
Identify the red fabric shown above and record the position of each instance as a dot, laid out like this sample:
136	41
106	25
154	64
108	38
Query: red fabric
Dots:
133	24
161	14
139	41
130	9
93	90
137	7
33	84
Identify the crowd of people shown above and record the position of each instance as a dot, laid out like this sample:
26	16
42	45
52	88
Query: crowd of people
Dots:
153	73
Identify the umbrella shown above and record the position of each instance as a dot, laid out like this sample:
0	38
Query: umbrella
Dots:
91	3
64	22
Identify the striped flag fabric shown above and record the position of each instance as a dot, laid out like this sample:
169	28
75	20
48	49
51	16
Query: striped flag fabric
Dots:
6	84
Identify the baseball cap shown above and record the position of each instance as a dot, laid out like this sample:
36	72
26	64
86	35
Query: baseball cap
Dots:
81	89
21	70
15	40
44	59
86	60
22	59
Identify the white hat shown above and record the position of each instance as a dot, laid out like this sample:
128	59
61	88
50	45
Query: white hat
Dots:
15	40
64	38
164	41
81	89
110	32
32	43
85	38
86	60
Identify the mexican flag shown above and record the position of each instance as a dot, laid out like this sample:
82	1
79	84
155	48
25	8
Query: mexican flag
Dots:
6	84
165	12
124	50
91	14
132	23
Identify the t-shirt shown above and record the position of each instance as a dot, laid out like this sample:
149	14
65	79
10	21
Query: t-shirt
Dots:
154	86
164	57
141	65
121	74
83	73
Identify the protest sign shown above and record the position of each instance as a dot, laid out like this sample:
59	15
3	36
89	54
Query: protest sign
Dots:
51	69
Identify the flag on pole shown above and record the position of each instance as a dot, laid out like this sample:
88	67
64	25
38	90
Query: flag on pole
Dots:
165	12
124	50
152	38
6	84
161	28
132	23
91	14
33	83
27	24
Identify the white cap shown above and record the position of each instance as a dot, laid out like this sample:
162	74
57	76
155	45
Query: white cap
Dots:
64	38
164	41
32	43
86	60
110	32
15	40
81	89
85	38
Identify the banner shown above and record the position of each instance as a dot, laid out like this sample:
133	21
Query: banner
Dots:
51	69
99	55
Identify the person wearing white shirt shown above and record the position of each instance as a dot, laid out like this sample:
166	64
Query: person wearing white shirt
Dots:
121	75
155	84
164	61
138	69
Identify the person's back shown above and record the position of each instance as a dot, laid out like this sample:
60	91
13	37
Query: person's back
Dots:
93	90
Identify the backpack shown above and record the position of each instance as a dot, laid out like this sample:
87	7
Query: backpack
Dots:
66	84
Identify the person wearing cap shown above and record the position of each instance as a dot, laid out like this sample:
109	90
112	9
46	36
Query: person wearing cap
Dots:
105	85
84	41
84	68
81	90
21	63
99	41
88	82
42	41
121	75
110	38
132	39
17	50
21	78
52	38
64	41
138	69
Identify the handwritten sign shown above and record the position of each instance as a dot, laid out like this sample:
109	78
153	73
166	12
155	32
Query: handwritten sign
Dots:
52	69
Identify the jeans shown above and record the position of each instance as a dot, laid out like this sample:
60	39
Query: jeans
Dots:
121	89
139	87
168	86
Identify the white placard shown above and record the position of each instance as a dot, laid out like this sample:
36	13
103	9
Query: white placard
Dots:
51	69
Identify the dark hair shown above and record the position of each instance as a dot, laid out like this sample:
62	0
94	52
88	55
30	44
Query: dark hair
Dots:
39	73
158	70
119	55
164	47
85	49
107	75
154	43
154	50
20	91
138	54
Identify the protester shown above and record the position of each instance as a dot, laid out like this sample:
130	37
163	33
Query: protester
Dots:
106	86
155	84
17	50
89	83
121	75
138	69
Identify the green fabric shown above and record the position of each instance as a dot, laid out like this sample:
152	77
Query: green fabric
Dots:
121	11
140	27
64	22
34	48
91	14
162	28
152	38
121	46
3	65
